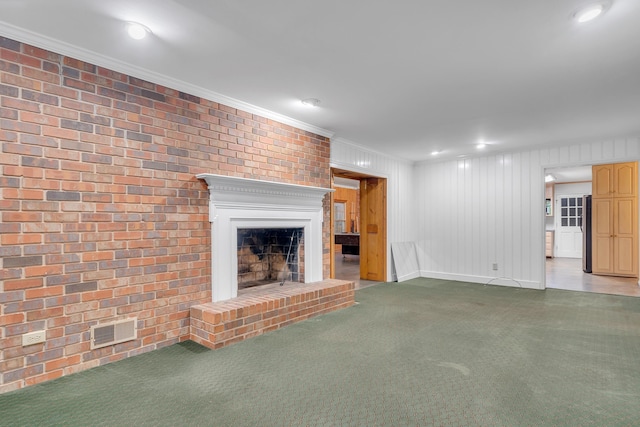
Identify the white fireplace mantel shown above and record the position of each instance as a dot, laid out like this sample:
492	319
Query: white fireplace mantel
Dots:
237	203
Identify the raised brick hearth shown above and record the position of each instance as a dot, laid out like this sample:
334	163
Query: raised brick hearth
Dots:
266	308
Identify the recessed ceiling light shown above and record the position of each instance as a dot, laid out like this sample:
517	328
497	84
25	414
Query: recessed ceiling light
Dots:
481	146
137	31
591	11
435	153
310	102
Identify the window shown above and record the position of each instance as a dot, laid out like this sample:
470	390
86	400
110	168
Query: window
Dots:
571	211
340	217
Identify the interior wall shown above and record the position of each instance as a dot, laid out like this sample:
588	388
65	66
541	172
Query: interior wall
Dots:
401	214
103	217
490	209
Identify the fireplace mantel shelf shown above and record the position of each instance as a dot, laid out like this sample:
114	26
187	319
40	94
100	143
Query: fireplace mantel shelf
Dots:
228	188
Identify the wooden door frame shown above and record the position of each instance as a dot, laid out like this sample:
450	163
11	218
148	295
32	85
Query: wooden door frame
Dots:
342	173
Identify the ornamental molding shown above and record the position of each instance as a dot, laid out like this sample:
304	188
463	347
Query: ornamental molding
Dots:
232	189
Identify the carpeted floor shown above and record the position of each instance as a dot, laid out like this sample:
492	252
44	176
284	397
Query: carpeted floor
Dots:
420	353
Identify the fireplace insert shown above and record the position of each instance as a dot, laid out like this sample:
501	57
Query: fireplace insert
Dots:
270	255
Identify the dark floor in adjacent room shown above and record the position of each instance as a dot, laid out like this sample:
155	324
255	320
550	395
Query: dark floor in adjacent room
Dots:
419	353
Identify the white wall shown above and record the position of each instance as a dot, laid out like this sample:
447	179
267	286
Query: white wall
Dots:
465	215
475	212
400	192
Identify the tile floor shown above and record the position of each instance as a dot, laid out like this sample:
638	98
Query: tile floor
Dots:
348	268
566	273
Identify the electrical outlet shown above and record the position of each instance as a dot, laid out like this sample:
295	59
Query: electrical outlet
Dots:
495	266
34	338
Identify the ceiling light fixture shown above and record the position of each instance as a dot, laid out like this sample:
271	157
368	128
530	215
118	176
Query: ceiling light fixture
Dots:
310	102
435	153
549	178
590	12
481	146
137	31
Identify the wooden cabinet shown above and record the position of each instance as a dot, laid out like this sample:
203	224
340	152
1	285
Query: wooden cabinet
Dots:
615	180
549	244
615	219
602	236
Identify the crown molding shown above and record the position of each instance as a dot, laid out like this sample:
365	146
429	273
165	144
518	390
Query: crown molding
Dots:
35	39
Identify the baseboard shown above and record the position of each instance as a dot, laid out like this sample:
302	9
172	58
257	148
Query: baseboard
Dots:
486	280
409	276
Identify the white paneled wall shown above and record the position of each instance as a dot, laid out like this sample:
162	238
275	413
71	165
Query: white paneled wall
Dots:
400	192
466	215
475	212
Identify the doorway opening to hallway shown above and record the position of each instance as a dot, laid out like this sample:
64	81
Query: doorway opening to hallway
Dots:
358	228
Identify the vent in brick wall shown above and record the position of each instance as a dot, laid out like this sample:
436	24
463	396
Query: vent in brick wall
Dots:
113	333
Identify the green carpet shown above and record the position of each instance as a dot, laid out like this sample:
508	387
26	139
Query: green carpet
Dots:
420	353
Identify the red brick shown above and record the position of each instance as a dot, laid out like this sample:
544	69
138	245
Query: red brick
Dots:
39	119
14	193
44	313
11	285
46	270
44	292
21	239
60	133
97	295
53	365
44	377
9	319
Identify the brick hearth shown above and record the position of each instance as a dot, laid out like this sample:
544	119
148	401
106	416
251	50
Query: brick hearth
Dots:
266	308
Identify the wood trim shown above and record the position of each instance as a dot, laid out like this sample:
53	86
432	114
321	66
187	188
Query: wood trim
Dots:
373	260
332	245
615	219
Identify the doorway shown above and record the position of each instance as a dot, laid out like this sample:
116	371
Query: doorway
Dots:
358	227
568	225
564	269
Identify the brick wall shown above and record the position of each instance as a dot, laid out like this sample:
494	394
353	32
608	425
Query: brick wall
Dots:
102	217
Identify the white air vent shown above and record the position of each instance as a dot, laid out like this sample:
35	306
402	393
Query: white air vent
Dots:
113	333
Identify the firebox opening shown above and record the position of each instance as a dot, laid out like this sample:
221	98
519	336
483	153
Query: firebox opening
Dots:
270	255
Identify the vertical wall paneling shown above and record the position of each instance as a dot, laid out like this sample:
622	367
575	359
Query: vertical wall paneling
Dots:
401	209
480	191
490	209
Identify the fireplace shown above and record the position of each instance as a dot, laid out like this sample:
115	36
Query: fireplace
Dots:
237	204
268	255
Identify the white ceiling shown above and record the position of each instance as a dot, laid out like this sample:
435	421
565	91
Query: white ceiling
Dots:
400	77
570	174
